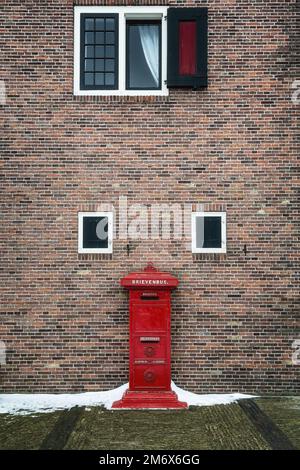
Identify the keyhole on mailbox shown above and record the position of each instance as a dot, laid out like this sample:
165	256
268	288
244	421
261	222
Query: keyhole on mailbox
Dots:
149	351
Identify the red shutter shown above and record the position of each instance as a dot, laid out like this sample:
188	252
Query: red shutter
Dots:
187	48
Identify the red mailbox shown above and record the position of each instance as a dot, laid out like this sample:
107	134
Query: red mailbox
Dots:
150	341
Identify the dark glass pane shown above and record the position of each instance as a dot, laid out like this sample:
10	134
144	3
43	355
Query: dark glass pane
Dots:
99	26
99	79
109	65
95	232
109	79
89	79
110	51
110	24
143	55
99	51
89	38
89	65
99	38
99	65
89	51
208	232
89	24
110	38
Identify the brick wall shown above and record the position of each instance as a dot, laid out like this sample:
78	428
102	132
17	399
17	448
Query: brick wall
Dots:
64	318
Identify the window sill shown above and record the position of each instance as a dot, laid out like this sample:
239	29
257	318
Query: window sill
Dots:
95	256
209	257
121	98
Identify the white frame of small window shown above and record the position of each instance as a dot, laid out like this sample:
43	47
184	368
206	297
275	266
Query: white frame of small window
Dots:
109	216
223	248
130	13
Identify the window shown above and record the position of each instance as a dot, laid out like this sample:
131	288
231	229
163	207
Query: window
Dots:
143	40
99	52
209	232
123	50
95	232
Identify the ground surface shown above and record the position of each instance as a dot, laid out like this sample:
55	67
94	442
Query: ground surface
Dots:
264	423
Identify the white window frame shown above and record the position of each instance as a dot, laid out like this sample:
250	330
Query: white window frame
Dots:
223	248
129	12
109	216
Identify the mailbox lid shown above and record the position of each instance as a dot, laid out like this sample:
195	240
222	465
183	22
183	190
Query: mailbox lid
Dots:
149	278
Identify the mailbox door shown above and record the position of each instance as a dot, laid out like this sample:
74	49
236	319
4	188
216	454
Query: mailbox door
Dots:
149	316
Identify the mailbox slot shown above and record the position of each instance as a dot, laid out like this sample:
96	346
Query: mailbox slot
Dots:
150	339
149	296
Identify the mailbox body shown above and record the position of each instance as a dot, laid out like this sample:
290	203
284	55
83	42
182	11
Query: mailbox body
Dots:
150	340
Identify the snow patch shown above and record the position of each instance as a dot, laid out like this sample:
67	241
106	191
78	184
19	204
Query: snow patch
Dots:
22	403
208	400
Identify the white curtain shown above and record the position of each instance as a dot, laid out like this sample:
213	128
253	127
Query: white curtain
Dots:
149	35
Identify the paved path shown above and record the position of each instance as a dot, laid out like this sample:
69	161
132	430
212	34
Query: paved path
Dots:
265	423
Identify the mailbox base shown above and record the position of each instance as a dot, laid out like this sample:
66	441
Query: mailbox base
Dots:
149	400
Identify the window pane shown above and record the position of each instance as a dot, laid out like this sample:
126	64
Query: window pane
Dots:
99	65
89	38
110	51
99	79
89	65
99	38
110	38
99	24
110	65
89	51
110	24
109	79
208	232
143	55
95	232
99	51
89	24
89	79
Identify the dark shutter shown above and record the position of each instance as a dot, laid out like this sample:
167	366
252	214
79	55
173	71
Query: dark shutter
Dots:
187	47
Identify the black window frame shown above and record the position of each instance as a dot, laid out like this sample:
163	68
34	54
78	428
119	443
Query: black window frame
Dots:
138	22
83	16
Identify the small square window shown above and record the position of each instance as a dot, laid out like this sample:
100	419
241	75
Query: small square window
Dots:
95	232
209	232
